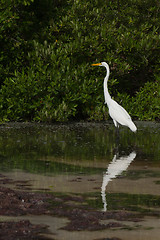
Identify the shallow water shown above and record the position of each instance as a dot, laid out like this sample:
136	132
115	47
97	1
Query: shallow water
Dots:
87	159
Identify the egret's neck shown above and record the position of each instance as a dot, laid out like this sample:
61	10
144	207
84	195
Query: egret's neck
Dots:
107	96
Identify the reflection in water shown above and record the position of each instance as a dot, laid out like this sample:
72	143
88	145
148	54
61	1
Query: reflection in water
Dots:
115	168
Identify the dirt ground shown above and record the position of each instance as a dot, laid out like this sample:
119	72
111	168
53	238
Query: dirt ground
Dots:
81	216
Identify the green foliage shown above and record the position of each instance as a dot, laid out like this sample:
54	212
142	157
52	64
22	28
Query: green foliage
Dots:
145	105
48	47
12	41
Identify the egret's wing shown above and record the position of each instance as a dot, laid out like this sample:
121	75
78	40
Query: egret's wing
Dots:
118	113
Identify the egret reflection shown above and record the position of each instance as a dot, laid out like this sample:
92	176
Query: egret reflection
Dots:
115	168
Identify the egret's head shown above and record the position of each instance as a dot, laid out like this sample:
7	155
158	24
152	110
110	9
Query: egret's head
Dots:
102	64
97	64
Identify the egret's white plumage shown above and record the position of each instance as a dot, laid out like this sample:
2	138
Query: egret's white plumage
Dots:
116	111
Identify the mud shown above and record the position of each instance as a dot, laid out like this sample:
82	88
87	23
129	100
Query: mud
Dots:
73	207
21	230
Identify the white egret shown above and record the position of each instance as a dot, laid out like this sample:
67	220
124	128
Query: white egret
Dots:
117	112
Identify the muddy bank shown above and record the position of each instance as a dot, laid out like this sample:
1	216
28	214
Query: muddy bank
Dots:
73	207
21	230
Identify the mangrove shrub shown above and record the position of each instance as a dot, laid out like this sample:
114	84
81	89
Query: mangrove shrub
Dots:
48	47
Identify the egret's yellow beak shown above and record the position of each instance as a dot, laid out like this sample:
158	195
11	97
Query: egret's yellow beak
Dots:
96	64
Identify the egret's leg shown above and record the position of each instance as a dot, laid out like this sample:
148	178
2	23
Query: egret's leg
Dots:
117	135
117	127
115	123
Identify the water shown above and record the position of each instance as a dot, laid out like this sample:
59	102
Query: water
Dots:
89	161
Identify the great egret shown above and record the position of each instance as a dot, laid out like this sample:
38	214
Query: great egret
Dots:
117	112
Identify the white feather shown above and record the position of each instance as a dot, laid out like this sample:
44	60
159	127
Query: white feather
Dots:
117	112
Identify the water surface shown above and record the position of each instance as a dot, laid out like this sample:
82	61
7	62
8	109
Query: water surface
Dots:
87	159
